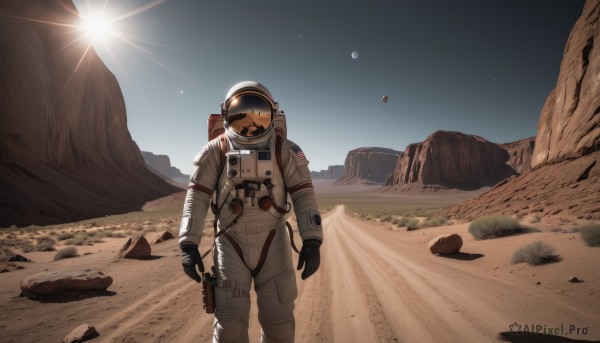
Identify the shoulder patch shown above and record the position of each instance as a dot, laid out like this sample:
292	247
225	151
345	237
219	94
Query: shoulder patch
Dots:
299	153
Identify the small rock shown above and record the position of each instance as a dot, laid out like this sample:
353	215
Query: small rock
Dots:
82	333
87	253
18	258
538	283
574	279
561	291
162	236
9	267
135	247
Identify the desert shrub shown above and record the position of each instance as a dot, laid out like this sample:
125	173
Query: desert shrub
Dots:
385	218
27	247
435	221
45	239
78	240
149	229
556	229
91	233
590	233
44	246
5	253
534	254
402	221
574	230
52	233
65	253
119	235
489	227
64	236
412	224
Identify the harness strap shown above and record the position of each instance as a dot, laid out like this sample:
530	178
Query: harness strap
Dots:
224	150
263	253
278	144
291	233
275	205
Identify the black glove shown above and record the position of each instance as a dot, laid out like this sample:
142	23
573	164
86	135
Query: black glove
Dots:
190	257
310	257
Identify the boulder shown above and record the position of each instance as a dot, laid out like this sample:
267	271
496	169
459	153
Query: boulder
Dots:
569	125
446	244
9	267
451	159
368	165
81	333
161	237
56	282
135	247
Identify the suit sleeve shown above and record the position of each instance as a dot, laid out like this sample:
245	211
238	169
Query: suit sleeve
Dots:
203	182
299	185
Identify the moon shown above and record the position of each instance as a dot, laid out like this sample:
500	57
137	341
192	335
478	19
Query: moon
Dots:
354	55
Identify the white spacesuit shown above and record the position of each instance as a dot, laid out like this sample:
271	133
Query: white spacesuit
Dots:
245	175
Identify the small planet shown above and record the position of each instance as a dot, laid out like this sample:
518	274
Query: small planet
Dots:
354	54
180	91
385	99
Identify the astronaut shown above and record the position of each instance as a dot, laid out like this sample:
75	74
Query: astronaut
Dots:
244	175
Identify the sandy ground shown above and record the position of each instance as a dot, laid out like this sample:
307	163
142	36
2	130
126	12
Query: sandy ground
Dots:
377	283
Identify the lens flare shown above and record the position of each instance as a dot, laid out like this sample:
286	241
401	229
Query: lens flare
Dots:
96	28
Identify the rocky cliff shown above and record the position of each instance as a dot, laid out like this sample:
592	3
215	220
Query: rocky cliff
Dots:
65	150
564	180
332	173
520	153
569	125
162	164
448	159
368	165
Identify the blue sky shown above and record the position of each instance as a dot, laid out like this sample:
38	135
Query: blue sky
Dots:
479	67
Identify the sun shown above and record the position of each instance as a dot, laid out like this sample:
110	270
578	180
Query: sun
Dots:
96	27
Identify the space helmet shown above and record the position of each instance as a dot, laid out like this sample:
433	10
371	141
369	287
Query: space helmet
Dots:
249	110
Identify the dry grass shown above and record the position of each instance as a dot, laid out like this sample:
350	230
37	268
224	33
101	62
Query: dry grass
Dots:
534	254
65	253
489	227
590	233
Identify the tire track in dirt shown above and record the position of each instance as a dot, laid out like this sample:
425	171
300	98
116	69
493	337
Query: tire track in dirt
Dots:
135	322
428	299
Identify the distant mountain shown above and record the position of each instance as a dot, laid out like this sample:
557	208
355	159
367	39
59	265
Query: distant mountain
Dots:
368	165
449	159
332	173
162	164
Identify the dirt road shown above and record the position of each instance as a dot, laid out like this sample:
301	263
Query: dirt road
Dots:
374	285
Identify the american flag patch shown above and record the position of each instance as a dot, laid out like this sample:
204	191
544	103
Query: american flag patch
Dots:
298	151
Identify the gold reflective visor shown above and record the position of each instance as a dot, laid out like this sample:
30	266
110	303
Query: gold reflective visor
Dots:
249	115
